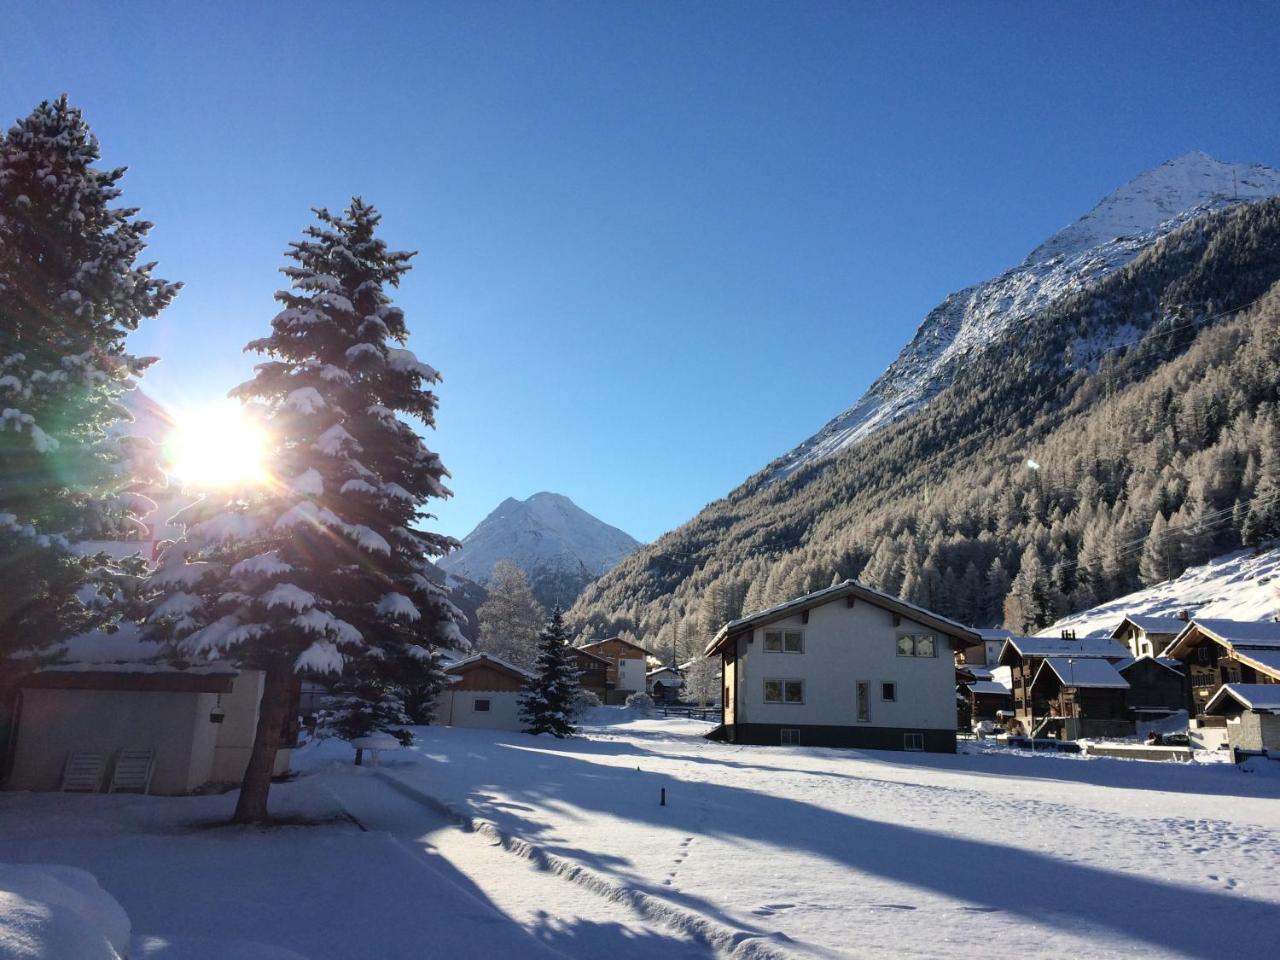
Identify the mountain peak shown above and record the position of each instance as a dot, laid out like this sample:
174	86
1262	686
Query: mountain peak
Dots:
558	544
1118	228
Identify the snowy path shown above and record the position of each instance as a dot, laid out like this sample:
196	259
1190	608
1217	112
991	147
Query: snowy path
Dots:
879	854
568	918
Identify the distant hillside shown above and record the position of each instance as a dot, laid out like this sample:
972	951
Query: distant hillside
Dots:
1105	441
558	544
1244	585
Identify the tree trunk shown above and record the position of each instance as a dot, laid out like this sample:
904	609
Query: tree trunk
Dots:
273	711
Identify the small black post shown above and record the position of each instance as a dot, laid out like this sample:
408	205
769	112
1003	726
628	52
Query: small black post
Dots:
663	802
359	757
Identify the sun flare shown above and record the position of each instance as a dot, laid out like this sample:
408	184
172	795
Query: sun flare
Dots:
217	446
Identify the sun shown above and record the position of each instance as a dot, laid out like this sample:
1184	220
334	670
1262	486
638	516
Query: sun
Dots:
217	447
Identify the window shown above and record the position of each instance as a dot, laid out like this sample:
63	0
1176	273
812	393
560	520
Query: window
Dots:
889	691
784	641
784	691
482	706
863	698
913	741
917	645
790	736
1204	653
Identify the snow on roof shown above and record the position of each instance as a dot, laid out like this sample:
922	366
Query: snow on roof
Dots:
1243	633
993	633
978	671
1262	697
666	669
845	589
1167	662
1082	648
596	643
489	658
1095	673
1267	660
1153	624
988	687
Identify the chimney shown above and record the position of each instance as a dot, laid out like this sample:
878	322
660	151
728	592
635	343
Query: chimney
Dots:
1184	616
1068	634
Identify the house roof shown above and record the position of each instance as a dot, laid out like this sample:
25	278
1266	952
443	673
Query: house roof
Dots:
1085	648
1259	697
850	588
1262	634
1168	625
989	687
1089	673
993	633
593	656
1268	661
659	670
628	643
487	660
1166	662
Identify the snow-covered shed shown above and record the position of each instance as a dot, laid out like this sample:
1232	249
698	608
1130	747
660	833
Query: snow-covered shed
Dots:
664	683
1252	712
483	691
112	692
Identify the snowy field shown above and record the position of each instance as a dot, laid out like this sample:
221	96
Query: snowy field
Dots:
758	852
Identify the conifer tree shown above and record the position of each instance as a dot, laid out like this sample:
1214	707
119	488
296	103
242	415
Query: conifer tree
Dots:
321	571
547	703
510	617
71	290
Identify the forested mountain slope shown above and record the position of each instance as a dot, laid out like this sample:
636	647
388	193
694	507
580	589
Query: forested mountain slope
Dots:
1045	478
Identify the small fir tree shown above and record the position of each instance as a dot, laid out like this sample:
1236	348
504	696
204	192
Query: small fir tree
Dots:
547	705
71	290
322	570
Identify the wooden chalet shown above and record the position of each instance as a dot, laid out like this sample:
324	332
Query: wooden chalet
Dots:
1215	653
1025	656
628	664
1076	698
483	691
593	673
1157	687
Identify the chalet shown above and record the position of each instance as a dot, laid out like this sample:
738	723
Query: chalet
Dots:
1252	715
1157	687
593	673
1076	698
1215	653
483	691
845	666
1024	656
112	694
628	664
664	684
1148	636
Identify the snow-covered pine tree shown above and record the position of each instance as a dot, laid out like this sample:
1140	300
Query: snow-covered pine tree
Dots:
547	705
71	290
322	569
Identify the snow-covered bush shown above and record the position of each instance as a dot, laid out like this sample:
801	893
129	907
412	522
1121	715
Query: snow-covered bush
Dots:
584	701
49	910
640	701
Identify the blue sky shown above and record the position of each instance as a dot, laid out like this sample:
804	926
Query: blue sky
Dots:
660	243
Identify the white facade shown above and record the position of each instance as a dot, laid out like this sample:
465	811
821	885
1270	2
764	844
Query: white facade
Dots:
483	709
631	674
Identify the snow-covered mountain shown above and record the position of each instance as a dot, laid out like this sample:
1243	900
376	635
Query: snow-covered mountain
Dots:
1239	586
1105	239
558	544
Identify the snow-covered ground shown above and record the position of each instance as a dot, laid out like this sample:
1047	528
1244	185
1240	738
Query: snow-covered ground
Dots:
1237	586
757	852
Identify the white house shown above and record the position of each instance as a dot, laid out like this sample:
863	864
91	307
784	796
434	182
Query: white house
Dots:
845	666
484	691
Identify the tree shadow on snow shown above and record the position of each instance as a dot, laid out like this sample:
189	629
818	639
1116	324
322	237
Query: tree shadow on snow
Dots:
1075	897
